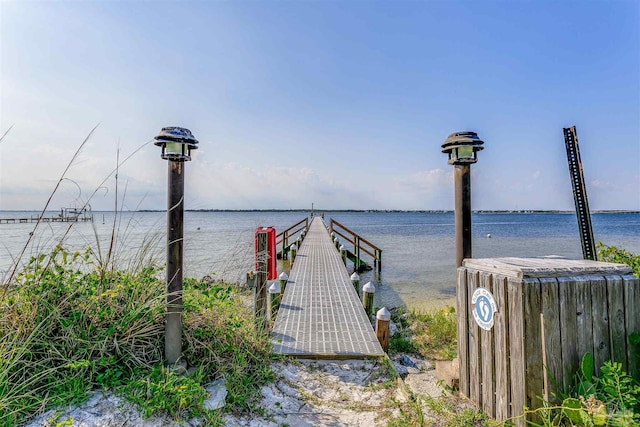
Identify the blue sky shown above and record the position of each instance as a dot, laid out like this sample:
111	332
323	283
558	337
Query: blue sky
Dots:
342	103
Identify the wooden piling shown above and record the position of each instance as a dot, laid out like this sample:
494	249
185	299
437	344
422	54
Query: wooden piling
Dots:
368	294
274	300
383	317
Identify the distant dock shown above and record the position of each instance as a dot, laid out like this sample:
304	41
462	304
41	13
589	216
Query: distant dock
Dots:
65	215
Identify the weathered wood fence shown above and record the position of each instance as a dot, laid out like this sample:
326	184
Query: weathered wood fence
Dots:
548	313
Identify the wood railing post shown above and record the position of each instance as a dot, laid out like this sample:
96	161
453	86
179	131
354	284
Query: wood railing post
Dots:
356	250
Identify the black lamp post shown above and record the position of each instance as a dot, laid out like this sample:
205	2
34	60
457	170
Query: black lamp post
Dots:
176	144
462	148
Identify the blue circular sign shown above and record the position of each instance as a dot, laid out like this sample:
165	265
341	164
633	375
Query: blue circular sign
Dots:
484	308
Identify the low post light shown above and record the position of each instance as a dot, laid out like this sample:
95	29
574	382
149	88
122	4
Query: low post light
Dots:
462	149
176	144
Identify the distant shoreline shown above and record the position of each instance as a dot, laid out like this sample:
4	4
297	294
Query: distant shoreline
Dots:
436	211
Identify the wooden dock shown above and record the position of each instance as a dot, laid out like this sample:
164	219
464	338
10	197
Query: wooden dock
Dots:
321	315
66	215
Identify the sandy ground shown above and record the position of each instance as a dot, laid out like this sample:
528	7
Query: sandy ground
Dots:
306	393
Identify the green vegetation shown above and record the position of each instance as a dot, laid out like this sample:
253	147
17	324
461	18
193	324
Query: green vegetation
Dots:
68	325
612	399
429	334
620	256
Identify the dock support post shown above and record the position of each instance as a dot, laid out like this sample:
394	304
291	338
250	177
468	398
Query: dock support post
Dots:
343	254
274	301
368	294
294	250
383	317
355	279
284	278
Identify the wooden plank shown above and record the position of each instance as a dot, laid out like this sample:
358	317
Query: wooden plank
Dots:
584	315
617	327
632	321
475	349
552	338
544	267
600	312
462	308
501	354
516	349
533	345
569	325
487	358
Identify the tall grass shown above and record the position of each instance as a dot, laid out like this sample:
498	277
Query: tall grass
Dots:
71	322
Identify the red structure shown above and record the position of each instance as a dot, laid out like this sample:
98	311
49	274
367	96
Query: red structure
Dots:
265	242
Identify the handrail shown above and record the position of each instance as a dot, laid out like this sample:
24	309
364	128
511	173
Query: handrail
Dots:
357	241
284	236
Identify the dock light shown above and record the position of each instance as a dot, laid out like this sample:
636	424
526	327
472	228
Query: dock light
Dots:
176	144
462	148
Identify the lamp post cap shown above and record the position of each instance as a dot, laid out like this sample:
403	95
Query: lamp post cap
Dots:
283	276
176	134
461	139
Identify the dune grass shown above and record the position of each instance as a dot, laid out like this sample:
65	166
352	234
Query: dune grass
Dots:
67	327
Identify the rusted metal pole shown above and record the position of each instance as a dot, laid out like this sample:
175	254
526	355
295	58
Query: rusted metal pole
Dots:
175	220
462	182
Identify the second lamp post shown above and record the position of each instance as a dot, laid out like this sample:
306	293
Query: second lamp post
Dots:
176	144
462	148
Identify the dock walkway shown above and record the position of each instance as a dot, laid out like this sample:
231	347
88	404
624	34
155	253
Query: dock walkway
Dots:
321	315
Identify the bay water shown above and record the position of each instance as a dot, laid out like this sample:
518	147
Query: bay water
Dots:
418	258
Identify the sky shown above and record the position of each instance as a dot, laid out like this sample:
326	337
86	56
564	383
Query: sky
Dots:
344	104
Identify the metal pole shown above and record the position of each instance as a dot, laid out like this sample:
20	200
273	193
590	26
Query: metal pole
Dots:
462	177
175	217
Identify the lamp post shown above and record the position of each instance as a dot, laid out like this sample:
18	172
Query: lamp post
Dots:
176	144
462	148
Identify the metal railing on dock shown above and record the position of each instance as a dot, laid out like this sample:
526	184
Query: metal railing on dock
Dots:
288	237
359	245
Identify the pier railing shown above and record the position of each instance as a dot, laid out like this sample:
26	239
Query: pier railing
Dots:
289	236
359	244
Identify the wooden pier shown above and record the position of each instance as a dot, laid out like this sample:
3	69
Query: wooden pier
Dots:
66	215
321	315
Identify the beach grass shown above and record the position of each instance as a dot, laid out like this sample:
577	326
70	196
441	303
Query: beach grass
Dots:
68	326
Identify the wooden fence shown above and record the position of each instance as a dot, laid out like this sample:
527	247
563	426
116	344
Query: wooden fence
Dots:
548	313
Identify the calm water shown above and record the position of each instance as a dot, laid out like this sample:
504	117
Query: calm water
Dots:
418	248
